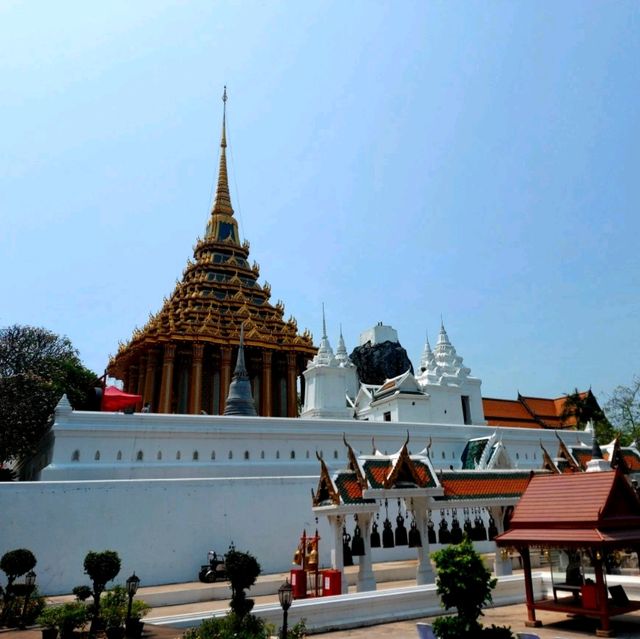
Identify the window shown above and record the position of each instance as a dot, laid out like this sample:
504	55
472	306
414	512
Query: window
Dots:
159	455
178	455
307	454
230	454
139	456
262	454
387	416
292	455
335	454
76	455
96	457
277	454
213	455
444	455
466	409
196	455
246	454
119	456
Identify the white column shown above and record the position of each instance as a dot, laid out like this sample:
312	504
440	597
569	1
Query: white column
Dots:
424	573
337	558
366	578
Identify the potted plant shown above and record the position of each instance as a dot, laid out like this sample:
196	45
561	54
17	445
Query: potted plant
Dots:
113	610
72	615
63	619
49	619
134	624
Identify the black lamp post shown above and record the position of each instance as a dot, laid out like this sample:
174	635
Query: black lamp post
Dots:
132	587
285	595
29	585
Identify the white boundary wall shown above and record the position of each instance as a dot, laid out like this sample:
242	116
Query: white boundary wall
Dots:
162	529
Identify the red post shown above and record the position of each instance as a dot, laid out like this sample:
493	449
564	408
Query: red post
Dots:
602	599
531	622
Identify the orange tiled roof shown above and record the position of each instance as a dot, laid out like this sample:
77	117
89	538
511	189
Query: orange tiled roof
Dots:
349	488
468	485
507	412
528	412
376	471
632	460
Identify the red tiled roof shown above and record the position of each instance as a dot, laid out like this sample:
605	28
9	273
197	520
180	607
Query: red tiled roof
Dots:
579	508
577	498
462	485
568	536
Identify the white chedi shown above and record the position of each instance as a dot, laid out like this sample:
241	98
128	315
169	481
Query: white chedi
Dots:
442	365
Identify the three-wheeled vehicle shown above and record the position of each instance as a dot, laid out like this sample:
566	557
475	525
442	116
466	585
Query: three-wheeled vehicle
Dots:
213	571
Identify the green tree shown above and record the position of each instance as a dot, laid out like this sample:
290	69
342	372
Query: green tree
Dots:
101	567
585	408
243	570
623	411
464	584
14	563
36	368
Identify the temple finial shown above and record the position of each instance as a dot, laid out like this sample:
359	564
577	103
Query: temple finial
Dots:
223	141
222	202
324	323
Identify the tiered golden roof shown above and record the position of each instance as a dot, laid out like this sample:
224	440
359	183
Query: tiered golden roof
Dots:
218	292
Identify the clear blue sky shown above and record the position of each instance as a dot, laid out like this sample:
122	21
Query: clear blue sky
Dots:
397	160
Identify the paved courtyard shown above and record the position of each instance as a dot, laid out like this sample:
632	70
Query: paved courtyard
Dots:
556	626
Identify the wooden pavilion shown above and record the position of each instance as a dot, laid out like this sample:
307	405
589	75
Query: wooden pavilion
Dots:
588	515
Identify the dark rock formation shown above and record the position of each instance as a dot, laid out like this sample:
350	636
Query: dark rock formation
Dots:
379	362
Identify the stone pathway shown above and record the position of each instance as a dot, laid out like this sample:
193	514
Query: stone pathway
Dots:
555	626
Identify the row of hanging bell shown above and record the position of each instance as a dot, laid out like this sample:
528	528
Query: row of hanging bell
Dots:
347	556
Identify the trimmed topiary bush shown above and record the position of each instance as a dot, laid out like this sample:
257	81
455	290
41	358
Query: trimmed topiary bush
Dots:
14	564
101	567
464	584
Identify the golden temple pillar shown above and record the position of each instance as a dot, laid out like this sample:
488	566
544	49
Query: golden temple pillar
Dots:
292	405
225	376
166	385
266	409
132	380
142	368
152	363
195	390
125	381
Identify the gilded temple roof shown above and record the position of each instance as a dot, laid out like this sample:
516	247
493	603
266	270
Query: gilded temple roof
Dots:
219	291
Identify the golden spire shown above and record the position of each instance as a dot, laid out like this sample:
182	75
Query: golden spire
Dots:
222	203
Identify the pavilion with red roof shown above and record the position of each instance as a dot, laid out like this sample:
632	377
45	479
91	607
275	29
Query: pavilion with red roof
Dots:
589	514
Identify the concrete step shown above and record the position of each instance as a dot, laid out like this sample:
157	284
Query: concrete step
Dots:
194	591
